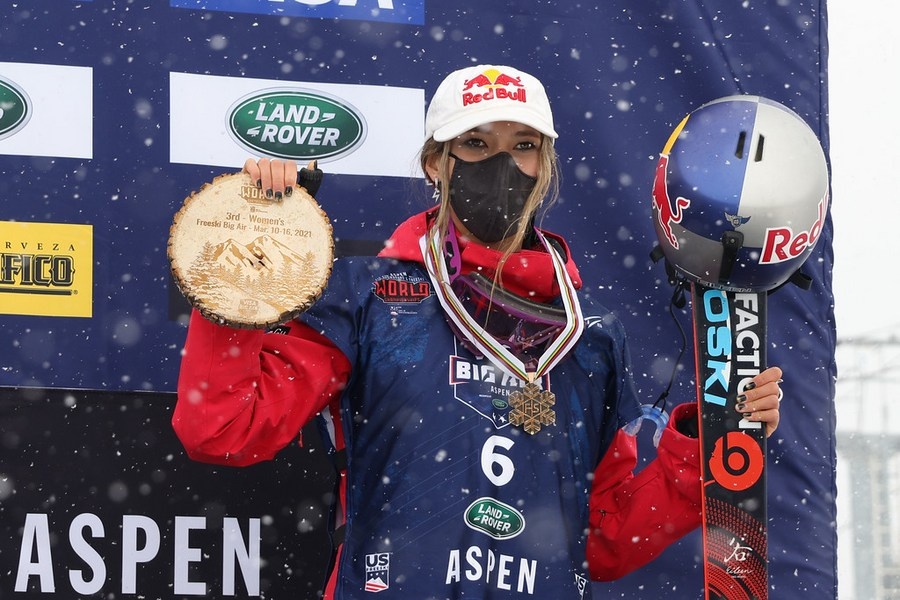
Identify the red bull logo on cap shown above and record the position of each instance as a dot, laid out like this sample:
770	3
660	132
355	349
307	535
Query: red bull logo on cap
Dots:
666	211
493	85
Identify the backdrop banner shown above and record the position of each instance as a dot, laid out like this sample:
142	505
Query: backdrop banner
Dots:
112	113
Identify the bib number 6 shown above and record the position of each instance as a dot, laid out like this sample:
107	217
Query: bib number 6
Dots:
497	467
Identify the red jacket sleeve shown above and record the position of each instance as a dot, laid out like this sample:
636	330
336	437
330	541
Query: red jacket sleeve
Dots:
243	395
633	518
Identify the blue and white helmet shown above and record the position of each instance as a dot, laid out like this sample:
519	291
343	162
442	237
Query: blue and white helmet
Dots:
740	194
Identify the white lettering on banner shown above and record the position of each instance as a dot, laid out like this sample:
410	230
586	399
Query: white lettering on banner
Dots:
314	136
294	134
247	555
37	529
501	570
131	555
388	4
294	114
87	553
36	558
185	555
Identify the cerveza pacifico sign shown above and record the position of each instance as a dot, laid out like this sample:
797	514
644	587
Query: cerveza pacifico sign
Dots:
296	124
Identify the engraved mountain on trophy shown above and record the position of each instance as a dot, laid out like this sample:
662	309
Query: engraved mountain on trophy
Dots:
266	271
263	254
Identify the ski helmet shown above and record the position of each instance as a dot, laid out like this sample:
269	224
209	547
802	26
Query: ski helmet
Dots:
740	194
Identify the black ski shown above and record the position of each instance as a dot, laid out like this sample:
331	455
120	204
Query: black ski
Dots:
730	349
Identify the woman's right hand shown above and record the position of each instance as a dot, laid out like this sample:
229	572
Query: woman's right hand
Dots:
276	178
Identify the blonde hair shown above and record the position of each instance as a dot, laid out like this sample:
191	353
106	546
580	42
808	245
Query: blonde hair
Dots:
546	187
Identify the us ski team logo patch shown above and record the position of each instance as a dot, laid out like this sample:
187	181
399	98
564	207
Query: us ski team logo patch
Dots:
378	572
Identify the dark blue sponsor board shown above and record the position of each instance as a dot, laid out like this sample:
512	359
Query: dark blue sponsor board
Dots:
411	12
619	76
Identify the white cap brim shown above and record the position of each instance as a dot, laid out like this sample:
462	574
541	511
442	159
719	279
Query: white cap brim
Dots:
491	114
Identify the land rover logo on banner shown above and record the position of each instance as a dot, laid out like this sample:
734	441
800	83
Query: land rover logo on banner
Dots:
15	108
296	124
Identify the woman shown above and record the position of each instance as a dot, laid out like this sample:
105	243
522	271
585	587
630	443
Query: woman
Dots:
475	416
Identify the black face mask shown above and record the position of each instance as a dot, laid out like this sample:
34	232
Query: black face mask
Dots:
488	196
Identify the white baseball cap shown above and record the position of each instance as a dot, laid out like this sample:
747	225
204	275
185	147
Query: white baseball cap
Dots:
474	96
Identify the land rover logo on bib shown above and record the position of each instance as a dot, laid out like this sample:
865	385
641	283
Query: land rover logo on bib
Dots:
15	108
496	519
296	124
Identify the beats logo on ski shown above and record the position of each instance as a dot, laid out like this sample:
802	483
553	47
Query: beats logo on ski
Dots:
737	461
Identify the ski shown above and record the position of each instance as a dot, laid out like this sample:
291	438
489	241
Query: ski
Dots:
730	349
740	198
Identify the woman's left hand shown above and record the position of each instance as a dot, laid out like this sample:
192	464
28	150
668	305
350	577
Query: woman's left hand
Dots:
761	399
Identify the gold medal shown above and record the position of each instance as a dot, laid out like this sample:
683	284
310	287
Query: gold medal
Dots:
532	408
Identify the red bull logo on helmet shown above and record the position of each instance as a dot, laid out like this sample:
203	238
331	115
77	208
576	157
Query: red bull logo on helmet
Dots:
666	211
783	244
493	85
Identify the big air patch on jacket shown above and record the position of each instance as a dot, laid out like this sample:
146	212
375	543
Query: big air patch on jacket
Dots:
483	387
